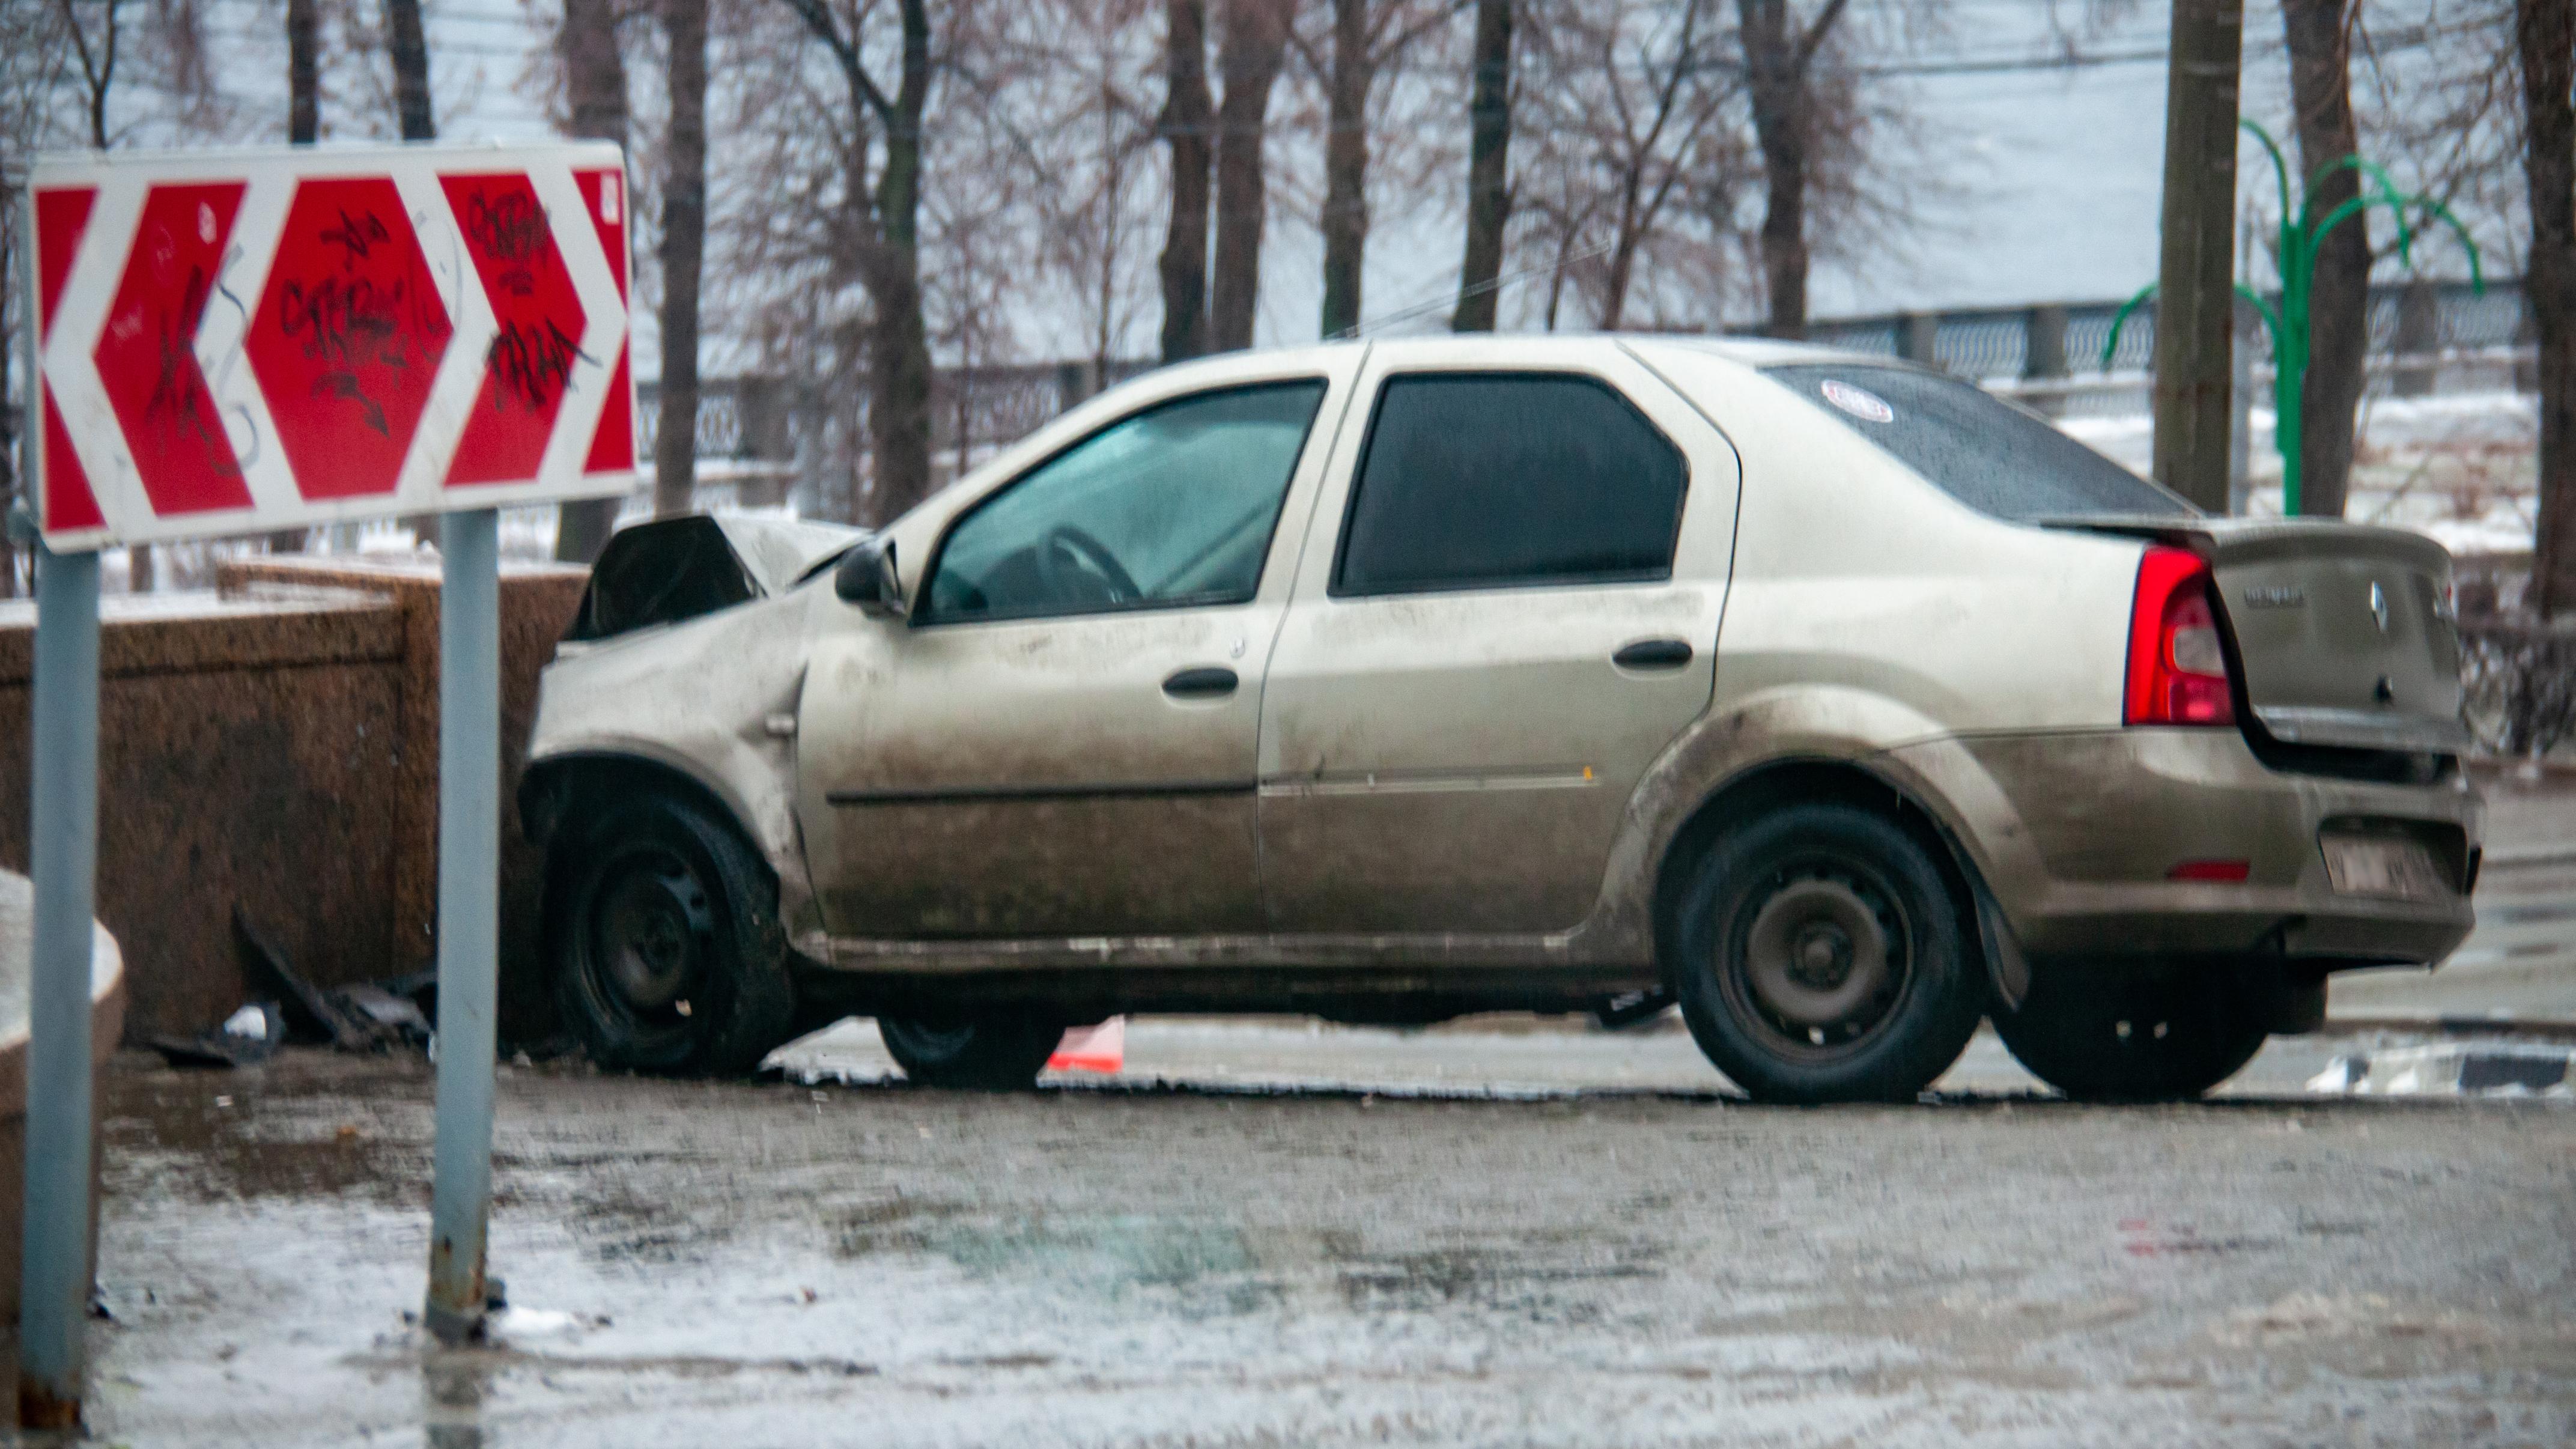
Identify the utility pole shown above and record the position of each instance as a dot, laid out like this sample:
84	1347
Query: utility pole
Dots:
2195	304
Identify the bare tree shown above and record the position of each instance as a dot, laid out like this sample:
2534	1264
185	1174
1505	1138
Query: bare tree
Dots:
97	61
1368	37
886	246
1254	48
1489	192
684	240
2320	33
594	70
2545	39
1780	53
1629	151
2436	107
1078	129
1186	126
408	48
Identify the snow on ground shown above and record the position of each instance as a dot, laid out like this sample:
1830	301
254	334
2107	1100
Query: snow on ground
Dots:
2457	467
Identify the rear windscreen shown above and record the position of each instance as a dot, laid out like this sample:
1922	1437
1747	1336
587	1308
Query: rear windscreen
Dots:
1979	449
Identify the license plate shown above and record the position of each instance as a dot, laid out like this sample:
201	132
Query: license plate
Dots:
2383	865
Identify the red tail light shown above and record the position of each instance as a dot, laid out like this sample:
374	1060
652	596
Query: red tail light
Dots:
2177	667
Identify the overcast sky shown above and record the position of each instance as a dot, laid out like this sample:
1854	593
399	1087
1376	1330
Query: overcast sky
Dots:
2041	184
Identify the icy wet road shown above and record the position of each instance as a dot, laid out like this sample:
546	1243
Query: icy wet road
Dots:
757	1264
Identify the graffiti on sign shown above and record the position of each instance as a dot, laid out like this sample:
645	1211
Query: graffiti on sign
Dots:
352	324
248	342
537	321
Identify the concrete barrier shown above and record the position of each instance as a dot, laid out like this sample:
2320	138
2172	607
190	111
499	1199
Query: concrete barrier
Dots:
274	745
107	1010
537	603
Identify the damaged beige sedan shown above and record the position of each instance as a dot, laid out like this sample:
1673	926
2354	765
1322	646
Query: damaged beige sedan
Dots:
1832	699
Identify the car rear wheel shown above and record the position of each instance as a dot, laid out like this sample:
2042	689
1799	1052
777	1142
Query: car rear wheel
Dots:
668	953
1820	959
2161	1038
991	1052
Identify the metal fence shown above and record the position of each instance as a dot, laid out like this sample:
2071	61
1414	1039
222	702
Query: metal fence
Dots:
2413	319
2425	337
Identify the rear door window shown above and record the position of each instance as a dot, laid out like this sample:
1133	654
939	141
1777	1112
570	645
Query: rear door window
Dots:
1976	447
1480	481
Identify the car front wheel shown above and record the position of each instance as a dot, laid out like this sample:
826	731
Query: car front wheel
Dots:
2106	1037
667	948
1820	959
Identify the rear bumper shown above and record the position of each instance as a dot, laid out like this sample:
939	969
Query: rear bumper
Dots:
2076	834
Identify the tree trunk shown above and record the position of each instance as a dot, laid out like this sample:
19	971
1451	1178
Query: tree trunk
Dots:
1345	218
594	70
2545	33
2320	39
98	68
1187	120
1776	84
303	72
1489	195
595	83
684	244
2196	271
1623	252
1256	43
303	128
899	352
410	54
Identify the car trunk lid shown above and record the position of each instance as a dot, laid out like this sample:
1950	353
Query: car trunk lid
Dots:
2344	633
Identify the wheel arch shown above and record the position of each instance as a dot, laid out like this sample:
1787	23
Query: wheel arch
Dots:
1814	779
553	789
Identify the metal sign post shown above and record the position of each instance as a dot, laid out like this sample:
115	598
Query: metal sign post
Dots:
53	1300
469	932
233	343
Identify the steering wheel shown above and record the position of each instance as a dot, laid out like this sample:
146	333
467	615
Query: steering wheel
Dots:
1066	542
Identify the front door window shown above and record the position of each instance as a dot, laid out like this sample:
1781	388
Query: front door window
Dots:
1171	508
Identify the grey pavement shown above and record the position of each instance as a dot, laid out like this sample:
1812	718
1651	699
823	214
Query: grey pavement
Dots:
771	1264
1503	1231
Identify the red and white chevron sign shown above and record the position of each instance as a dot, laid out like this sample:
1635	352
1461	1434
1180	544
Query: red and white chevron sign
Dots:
238	342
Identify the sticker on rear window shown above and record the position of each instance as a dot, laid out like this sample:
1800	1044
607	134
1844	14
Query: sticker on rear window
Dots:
1860	403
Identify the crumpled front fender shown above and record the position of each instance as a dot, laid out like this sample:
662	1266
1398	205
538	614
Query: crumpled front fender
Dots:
713	700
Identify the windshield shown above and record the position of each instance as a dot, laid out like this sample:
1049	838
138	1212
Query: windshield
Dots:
1974	446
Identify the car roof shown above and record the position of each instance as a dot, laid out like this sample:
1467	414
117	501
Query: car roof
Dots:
1753	352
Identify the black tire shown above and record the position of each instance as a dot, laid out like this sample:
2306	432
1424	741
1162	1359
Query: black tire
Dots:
2100	1037
1821	958
991	1052
662	925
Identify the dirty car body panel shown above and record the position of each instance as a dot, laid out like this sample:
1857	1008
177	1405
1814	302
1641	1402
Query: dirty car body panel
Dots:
1195	702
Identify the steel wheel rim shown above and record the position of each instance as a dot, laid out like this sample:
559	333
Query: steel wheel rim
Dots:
1819	960
646	942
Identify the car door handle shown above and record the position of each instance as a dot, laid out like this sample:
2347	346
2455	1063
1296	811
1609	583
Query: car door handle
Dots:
1204	682
1653	654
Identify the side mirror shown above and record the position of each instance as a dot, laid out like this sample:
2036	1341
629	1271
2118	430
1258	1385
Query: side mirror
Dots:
868	578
